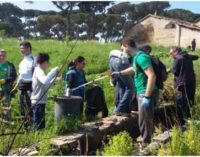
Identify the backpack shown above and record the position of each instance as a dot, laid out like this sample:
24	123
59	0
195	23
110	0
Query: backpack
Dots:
160	71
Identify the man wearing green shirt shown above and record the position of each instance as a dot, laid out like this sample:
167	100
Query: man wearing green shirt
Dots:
144	79
7	77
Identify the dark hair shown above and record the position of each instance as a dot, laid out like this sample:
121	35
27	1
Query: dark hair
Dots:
42	57
176	48
26	44
147	48
78	59
130	41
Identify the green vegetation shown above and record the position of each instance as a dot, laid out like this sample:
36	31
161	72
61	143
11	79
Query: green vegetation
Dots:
68	124
96	64
184	143
119	145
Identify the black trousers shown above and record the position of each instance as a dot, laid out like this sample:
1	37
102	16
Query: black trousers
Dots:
25	89
183	104
190	90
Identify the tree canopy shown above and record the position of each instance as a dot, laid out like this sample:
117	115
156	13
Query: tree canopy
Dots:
84	19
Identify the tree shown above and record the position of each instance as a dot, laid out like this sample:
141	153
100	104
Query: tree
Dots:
51	26
10	19
96	13
182	14
67	8
143	9
121	14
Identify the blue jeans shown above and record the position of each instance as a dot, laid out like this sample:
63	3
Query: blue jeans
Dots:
125	86
39	116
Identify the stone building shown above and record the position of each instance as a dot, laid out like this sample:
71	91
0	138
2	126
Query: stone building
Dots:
165	31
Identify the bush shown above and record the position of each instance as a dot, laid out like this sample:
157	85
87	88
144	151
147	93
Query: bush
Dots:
120	144
67	124
45	148
184	143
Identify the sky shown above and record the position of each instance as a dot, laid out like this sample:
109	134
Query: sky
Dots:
193	6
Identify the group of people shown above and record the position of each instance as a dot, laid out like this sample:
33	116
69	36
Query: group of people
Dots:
31	83
137	73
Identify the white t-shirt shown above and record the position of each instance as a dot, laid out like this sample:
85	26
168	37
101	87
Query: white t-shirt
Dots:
26	68
40	84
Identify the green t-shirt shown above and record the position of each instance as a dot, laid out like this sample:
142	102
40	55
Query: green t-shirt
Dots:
143	61
4	75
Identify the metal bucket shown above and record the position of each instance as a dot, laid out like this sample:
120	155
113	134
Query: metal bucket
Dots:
65	106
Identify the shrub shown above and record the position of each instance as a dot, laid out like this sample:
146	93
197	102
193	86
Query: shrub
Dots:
184	143
120	144
67	124
45	148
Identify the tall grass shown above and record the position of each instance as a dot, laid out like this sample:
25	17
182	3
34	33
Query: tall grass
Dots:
96	55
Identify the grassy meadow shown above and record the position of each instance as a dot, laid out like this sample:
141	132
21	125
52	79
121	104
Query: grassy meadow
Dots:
96	55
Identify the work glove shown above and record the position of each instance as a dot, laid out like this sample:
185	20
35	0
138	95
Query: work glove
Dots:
116	74
146	101
2	81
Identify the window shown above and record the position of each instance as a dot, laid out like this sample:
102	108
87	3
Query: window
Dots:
170	26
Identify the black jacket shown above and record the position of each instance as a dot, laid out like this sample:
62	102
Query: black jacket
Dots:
183	69
12	74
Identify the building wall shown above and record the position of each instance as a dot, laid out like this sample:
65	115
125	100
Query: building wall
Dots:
160	35
187	35
198	23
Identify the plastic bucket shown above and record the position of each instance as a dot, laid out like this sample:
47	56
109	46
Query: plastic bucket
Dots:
65	106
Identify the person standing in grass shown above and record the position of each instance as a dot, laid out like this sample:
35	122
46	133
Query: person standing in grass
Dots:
144	79
193	43
184	82
24	82
7	77
40	85
124	87
75	77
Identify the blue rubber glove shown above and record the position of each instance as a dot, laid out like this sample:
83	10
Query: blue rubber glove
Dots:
146	101
116	74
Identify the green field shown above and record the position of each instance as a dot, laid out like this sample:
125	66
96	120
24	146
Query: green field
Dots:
96	55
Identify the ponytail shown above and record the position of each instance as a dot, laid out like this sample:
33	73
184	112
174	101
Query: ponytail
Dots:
77	60
71	64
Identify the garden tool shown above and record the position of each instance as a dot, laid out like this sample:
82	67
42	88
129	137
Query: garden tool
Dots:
90	82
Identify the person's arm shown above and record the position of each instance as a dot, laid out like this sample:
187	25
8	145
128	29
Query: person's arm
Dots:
85	81
46	79
175	68
70	80
128	71
13	74
150	82
194	57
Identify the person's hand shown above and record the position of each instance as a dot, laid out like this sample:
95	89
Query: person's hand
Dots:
2	81
55	68
168	70
146	101
58	78
116	74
